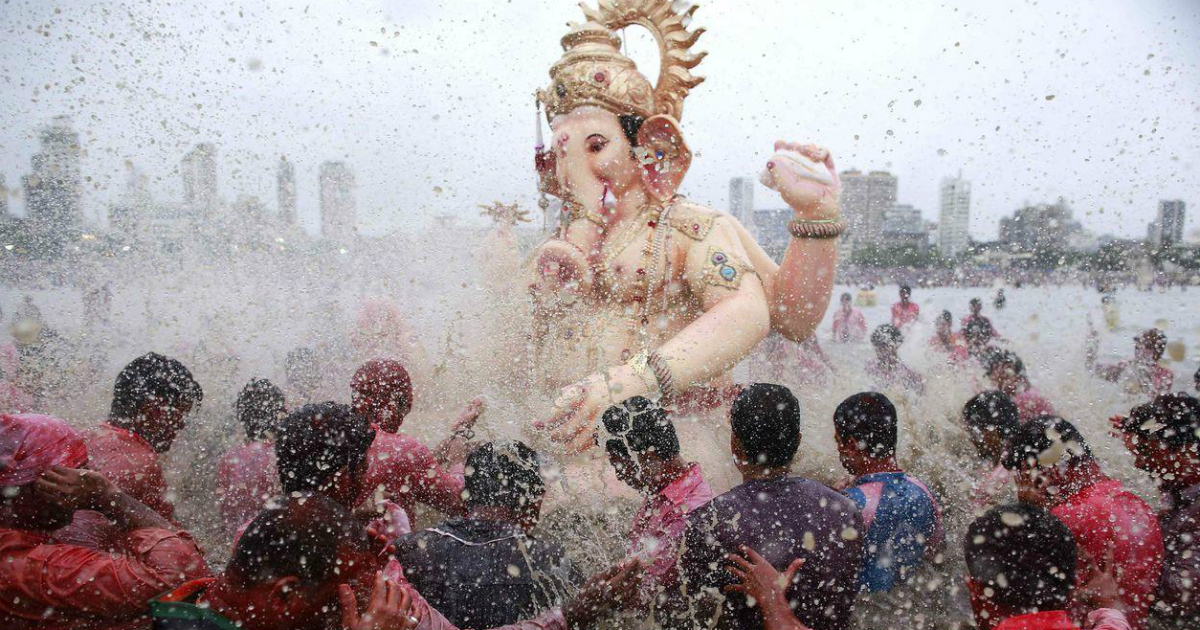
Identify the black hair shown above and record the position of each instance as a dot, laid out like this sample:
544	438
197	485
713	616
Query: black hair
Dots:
1173	419
1038	441
977	301
152	377
641	426
904	288
766	420
993	411
946	317
631	124
846	296
299	537
259	407
316	442
1000	358
1023	556
887	335
503	474
868	420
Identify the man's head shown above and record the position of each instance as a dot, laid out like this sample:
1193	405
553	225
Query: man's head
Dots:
865	430
504	479
1150	345
945	323
260	406
766	429
152	397
887	339
285	569
641	442
905	293
846	301
30	445
1006	371
991	419
382	392
1043	453
976	306
323	448
979	333
1164	437
1020	559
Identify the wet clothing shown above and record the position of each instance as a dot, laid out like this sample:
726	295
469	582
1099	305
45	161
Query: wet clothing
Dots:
246	478
954	348
782	519
1031	404
659	524
179	610
31	444
1102	619
902	522
1179	589
848	327
905	314
987	486
408	474
484	573
89	588
130	462
1116	532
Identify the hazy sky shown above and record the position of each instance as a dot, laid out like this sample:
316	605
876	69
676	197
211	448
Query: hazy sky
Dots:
431	104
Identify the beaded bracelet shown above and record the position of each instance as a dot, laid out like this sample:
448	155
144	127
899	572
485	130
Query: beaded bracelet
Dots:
662	373
826	228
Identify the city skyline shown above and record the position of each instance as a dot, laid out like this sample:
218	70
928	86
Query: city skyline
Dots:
1103	112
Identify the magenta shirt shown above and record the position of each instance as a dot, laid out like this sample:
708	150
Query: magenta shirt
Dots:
659	524
246	478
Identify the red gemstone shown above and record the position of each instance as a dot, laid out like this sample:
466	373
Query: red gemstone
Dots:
599	77
652	223
695	227
641	272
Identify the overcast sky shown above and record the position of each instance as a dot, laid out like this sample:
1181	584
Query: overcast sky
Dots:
430	101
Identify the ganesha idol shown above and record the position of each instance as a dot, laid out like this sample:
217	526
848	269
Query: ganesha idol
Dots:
640	291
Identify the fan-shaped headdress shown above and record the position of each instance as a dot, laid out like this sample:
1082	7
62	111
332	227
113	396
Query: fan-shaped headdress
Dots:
593	71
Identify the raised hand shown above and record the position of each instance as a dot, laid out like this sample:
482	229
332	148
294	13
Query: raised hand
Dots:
804	175
75	489
759	581
611	589
389	607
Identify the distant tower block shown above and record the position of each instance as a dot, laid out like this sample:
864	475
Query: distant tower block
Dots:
337	202
954	222
53	188
741	200
285	181
199	171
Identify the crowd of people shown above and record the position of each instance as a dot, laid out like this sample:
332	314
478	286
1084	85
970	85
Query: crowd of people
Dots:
320	501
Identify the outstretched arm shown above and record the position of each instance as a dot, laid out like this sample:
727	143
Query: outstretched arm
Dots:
798	289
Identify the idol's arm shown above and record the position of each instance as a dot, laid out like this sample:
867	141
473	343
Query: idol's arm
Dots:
797	291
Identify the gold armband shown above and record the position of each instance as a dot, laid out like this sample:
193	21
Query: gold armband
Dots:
825	228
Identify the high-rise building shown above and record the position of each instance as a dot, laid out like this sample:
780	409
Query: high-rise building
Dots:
53	188
1042	227
199	170
954	222
1167	229
903	225
285	181
337	201
865	199
741	200
3	198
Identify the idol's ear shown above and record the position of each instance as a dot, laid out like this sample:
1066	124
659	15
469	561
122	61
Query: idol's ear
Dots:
663	156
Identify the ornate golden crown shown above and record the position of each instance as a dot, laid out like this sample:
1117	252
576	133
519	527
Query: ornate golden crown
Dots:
593	71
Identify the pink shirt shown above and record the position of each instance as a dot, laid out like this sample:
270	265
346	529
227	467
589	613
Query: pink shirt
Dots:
246	478
903	315
850	326
408	473
658	526
1116	532
1031	404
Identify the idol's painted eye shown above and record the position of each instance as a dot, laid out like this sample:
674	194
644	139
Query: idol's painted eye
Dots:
596	143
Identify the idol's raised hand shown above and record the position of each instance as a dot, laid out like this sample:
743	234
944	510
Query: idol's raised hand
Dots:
804	175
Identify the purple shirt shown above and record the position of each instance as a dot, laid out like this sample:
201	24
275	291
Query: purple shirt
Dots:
782	519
